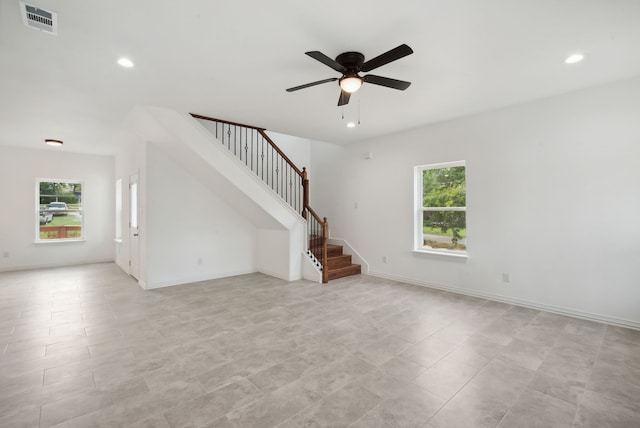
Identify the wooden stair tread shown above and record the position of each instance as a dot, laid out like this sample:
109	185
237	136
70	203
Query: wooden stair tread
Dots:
336	262
352	269
332	250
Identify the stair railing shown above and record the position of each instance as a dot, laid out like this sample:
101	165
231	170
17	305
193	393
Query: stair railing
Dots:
253	147
318	232
261	155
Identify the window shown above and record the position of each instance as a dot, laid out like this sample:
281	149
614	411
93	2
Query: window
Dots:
441	210
59	208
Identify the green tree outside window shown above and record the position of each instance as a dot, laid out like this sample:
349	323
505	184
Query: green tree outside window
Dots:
444	203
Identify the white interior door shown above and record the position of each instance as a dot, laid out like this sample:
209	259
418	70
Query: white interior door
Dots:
134	227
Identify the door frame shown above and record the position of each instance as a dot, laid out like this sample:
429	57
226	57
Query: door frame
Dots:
134	225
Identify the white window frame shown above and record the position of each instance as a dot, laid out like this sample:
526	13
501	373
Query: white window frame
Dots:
38	240
418	243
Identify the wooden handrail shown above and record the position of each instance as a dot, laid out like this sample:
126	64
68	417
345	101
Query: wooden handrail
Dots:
315	215
262	133
199	116
280	152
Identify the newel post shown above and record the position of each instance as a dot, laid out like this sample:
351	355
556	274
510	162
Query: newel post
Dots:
325	261
305	192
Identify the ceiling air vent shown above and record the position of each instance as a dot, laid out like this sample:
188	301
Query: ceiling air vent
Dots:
40	19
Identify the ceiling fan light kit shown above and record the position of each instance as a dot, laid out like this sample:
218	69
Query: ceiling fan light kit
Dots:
350	84
352	63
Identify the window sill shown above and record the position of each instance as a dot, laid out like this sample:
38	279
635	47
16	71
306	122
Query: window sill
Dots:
60	241
444	254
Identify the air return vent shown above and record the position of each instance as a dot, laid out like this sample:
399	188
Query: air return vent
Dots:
40	19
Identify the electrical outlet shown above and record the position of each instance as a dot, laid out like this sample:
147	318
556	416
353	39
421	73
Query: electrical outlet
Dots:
355	205
506	277
5	255
199	260
384	259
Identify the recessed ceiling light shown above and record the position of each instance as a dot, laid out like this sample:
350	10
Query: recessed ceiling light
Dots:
351	125
55	143
574	58
125	62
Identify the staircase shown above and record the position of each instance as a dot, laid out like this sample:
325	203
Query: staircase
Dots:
339	265
253	147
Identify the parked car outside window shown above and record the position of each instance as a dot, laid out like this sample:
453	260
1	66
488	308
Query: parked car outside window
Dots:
45	216
58	208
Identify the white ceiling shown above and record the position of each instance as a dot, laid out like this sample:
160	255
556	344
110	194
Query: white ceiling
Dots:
233	59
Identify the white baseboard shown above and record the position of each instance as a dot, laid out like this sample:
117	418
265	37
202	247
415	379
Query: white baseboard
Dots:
53	265
188	280
518	302
279	275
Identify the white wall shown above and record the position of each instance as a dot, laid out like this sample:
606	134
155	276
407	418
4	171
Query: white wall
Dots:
328	163
271	244
552	191
297	149
191	233
19	169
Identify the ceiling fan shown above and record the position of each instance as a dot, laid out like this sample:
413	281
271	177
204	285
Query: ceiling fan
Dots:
352	63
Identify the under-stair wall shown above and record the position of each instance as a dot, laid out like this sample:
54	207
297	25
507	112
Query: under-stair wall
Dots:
279	231
192	234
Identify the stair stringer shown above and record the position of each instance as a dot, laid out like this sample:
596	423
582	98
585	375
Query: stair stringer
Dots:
200	153
310	268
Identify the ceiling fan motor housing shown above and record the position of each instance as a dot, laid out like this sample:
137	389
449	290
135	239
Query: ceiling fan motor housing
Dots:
352	61
350	81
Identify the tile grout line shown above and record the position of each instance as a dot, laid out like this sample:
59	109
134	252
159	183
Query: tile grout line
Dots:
590	374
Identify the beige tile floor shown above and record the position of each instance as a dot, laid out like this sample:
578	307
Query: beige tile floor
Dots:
86	347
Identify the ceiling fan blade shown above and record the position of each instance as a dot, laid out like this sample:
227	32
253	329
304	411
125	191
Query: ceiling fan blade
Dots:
319	56
307	85
387	57
344	98
386	81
